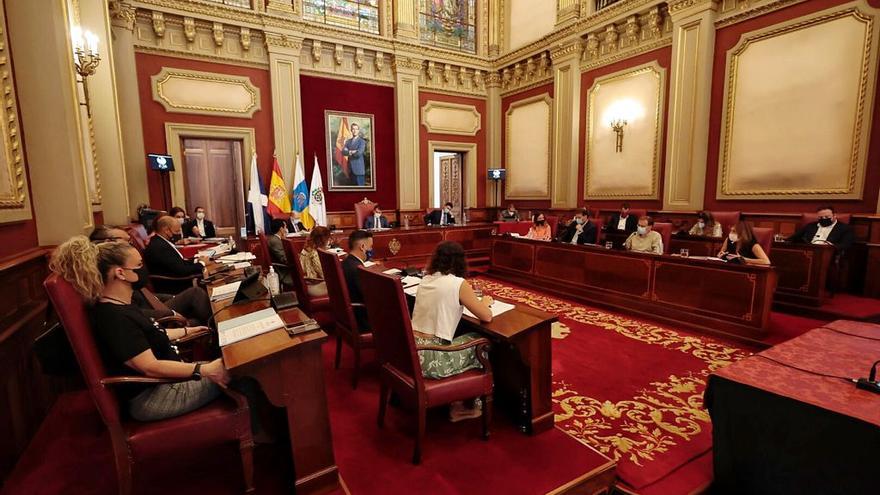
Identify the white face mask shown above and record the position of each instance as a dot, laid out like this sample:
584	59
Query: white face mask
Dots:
180	220
732	236
643	230
200	215
702	224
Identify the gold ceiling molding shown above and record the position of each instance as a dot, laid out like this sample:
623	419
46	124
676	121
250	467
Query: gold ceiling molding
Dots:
531	72
205	93
636	34
443	117
14	204
736	11
340	61
451	78
658	74
122	14
855	163
532	142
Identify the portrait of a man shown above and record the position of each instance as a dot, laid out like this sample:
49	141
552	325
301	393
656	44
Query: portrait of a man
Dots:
351	153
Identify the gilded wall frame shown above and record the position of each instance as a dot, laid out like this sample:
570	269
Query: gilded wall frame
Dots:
855	174
14	203
657	71
546	99
241	83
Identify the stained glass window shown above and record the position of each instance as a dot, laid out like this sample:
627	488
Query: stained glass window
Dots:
449	24
360	15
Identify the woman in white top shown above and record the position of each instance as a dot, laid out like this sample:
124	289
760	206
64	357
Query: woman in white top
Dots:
443	294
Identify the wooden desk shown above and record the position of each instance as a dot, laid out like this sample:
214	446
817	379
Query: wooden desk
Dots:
291	373
521	228
696	245
711	296
803	271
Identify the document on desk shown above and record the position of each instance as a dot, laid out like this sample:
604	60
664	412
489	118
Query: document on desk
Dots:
226	291
392	271
411	291
239	266
237	257
410	281
368	264
249	325
497	308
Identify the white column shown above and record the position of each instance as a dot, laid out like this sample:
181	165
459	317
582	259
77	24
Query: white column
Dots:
122	17
687	141
284	54
406	107
566	125
406	18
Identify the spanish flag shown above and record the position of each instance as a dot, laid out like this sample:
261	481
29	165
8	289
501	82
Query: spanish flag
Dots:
279	201
342	135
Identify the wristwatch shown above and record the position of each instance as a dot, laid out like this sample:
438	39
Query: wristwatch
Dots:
197	374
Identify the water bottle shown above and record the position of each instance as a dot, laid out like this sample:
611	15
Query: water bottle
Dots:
274	283
406	221
231	243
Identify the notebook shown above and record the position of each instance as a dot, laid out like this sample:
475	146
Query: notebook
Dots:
497	307
226	291
249	325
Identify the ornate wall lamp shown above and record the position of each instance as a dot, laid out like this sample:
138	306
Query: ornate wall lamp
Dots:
85	59
619	114
617	126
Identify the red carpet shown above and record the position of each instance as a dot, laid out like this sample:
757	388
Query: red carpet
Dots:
631	389
853	307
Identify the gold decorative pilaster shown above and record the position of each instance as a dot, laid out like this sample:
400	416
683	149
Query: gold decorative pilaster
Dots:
693	43
283	7
284	66
122	18
566	128
568	10
406	105
495	21
494	153
406	19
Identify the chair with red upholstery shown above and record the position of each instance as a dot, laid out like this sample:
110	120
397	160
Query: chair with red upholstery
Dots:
220	422
362	210
316	307
400	370
638	212
665	231
808	218
599	222
553	222
347	329
764	236
727	219
265	257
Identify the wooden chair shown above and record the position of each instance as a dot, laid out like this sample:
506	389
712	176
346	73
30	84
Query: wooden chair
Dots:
280	268
764	236
599	222
808	218
665	231
400	370
727	219
221	421
316	307
347	329
362	210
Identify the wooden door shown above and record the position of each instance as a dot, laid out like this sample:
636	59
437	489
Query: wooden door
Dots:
450	183
213	179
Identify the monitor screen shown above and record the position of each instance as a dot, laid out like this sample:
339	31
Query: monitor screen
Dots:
497	173
162	163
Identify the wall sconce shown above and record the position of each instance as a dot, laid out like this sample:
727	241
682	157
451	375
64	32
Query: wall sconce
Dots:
85	58
617	126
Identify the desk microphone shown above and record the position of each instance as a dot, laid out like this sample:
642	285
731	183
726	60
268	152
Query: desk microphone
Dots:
870	384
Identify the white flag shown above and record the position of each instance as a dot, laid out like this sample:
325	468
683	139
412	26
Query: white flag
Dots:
256	197
317	208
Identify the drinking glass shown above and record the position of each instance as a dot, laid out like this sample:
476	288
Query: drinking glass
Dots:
609	245
684	252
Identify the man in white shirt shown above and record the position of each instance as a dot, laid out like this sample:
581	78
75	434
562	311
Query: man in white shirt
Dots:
623	221
200	226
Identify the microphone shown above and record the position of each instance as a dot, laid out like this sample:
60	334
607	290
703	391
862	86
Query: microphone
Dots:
870	384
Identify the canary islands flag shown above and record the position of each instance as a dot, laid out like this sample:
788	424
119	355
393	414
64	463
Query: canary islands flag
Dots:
301	195
279	203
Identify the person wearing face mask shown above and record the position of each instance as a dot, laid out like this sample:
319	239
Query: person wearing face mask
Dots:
645	239
106	275
622	221
741	246
200	226
581	230
510	214
441	217
539	230
276	250
179	214
360	250
163	258
193	303
319	238
828	230
377	220
706	225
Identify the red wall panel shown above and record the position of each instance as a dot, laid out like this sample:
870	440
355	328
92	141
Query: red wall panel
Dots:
663	56
154	117
479	139
320	94
506	102
726	39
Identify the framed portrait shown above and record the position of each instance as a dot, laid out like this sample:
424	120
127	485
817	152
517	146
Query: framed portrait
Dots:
351	155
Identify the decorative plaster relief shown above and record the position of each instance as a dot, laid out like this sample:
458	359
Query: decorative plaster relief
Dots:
205	93
450	118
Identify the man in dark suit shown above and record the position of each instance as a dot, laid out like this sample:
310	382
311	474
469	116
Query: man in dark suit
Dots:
162	258
377	220
441	217
581	230
623	221
199	226
360	250
354	148
294	223
826	231
276	249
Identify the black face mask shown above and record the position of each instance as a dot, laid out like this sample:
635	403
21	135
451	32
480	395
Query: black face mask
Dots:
143	278
826	222
539	222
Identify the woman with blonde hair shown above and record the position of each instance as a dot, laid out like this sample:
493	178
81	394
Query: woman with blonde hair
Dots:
106	275
319	238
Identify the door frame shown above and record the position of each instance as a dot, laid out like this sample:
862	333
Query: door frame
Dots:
176	132
469	162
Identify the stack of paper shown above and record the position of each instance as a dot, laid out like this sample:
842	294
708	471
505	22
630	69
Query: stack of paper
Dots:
215	239
237	257
412	290
240	265
497	308
368	263
392	271
249	325
410	281
223	292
